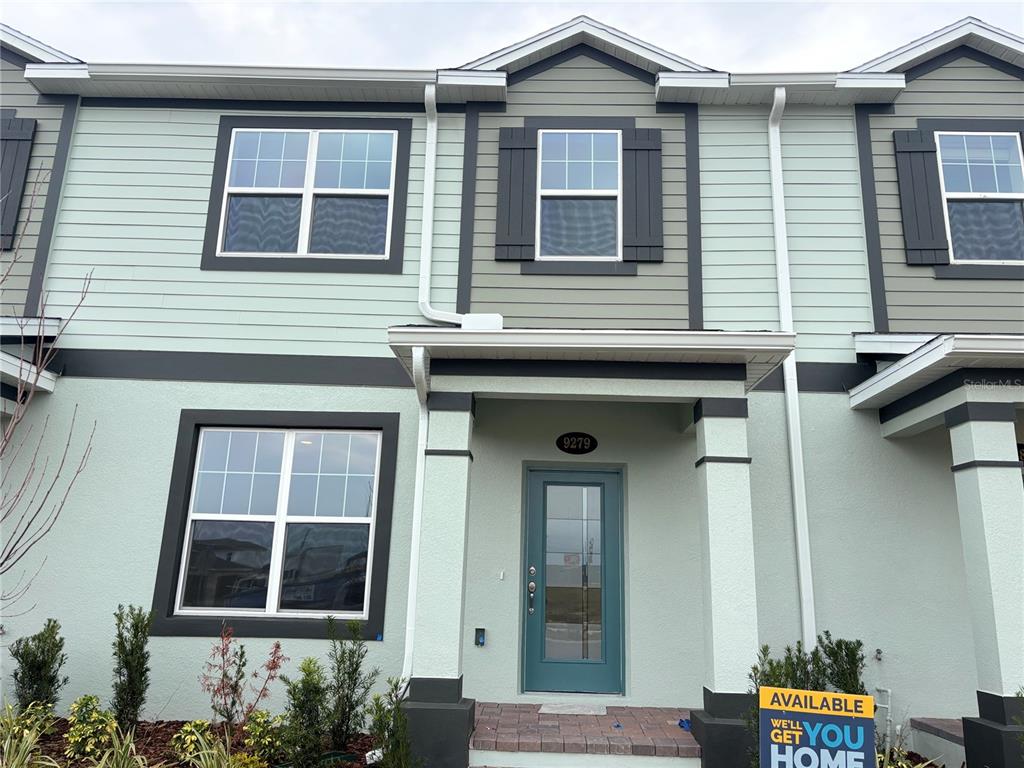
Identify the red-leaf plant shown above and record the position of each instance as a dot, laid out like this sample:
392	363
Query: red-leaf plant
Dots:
224	679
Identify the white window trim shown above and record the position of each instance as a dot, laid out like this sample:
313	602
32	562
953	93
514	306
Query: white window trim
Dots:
600	193
280	520
947	196
307	192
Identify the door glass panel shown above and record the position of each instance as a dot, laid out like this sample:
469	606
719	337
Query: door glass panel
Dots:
573	627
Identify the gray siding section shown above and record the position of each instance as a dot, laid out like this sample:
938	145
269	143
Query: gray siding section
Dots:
19	95
654	298
917	300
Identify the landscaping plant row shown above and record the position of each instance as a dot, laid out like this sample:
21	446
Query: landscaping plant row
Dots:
327	713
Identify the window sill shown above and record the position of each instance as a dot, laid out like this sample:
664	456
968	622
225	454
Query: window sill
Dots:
275	627
388	266
979	271
621	268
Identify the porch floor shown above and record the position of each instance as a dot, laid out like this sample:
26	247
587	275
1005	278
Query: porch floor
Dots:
648	731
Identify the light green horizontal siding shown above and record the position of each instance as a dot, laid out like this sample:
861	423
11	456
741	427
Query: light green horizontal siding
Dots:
916	300
134	215
824	220
656	297
20	95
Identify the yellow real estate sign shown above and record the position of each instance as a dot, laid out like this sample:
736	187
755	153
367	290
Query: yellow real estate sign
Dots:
816	729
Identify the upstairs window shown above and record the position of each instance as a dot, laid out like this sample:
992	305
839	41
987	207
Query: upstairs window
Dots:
579	197
309	193
983	195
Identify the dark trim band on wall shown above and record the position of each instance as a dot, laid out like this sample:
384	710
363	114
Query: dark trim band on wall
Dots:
451	401
960	52
581	49
994	124
965	412
981	377
596	268
869	200
720	407
722	460
392	264
166	623
694	239
54	185
979	271
986	463
590	369
821	377
458	452
467	215
231	367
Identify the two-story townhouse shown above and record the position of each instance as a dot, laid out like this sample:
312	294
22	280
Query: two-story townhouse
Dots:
574	373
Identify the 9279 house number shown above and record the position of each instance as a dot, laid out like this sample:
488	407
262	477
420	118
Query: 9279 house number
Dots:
576	443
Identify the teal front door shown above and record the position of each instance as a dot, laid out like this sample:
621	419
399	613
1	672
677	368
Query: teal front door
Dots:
572	582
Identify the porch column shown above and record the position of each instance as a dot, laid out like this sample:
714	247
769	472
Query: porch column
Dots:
440	719
730	600
990	503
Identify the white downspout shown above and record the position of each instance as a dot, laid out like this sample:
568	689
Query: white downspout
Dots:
419	377
431	313
808	629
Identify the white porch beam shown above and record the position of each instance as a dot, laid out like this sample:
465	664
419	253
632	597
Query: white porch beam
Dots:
13	370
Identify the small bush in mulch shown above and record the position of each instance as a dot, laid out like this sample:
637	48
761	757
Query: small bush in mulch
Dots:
153	741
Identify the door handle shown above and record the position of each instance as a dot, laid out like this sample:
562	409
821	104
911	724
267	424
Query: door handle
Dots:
531	588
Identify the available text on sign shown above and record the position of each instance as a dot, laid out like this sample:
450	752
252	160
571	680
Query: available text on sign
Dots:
815	729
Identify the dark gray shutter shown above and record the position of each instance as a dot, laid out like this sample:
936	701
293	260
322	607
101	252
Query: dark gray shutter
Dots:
924	221
15	147
642	236
517	195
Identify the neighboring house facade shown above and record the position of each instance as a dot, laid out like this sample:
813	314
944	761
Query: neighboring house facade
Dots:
575	374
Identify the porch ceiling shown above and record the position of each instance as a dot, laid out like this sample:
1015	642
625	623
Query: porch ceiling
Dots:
939	357
759	351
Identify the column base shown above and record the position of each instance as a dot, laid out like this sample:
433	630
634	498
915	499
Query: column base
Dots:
721	730
996	736
440	722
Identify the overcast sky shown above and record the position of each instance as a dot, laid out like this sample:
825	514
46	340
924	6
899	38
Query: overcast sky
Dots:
737	37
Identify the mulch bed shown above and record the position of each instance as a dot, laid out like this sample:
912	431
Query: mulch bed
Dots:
153	741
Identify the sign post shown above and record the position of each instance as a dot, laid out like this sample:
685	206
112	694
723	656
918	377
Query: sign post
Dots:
816	729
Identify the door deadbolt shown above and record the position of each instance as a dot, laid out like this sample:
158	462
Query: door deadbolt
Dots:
533	571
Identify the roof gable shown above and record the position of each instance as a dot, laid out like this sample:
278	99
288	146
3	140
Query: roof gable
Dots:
597	36
31	49
968	33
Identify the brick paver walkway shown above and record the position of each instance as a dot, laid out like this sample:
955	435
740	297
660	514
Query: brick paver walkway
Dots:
623	731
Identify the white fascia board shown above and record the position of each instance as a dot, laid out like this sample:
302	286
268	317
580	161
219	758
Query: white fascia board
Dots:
483	78
937	357
31	48
583	25
924	47
737	342
668	84
29	328
43	72
889	343
894	80
13	369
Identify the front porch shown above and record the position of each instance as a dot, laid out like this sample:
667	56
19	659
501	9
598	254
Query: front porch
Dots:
510	735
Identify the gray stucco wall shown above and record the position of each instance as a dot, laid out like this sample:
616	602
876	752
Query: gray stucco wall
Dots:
917	301
18	94
105	547
656	296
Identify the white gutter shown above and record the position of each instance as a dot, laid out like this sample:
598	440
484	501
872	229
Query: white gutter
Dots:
805	583
419	377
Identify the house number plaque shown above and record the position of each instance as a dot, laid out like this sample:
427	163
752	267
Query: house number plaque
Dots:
576	443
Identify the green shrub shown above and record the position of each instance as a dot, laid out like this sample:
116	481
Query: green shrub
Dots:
263	735
38	660
131	664
243	760
190	739
389	728
21	750
306	717
36	718
215	752
91	728
350	685
121	753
